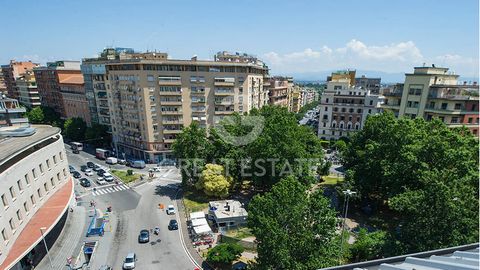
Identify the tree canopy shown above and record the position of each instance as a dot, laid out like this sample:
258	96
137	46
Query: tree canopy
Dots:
213	181
74	128
294	229
424	173
222	255
98	135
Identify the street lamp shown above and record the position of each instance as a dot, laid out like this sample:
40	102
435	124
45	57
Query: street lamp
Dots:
46	247
347	193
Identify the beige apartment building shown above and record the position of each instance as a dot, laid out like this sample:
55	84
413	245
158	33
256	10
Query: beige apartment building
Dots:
12	72
279	89
74	98
434	92
27	90
151	98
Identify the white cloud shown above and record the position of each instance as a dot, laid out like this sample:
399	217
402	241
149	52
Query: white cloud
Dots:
393	58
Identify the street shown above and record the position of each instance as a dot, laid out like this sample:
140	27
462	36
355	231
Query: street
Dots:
134	209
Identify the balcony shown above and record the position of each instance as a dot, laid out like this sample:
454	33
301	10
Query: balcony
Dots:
179	112
224	101
171	102
172	131
224	92
169	121
168	140
224	82
174	80
199	101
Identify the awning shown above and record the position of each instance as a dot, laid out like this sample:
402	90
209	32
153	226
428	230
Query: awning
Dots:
203	229
196	215
199	222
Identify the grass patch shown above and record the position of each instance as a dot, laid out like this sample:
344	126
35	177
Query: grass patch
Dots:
332	179
195	200
240	233
124	177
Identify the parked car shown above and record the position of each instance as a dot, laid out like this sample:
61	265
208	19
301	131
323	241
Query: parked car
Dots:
90	164
88	172
129	262
84	182
139	164
96	167
101	172
101	181
170	210
155	169
76	174
122	162
83	168
144	236
72	169
75	151
108	177
173	225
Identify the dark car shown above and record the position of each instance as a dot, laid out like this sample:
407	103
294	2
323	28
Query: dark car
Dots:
101	172
96	167
83	168
75	151
173	225
76	174
72	169
90	164
144	236
84	182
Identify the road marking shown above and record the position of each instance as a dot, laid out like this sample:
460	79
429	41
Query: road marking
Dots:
110	189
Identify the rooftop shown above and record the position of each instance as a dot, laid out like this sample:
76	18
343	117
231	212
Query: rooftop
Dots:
227	209
12	142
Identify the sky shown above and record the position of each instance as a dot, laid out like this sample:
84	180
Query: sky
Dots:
300	38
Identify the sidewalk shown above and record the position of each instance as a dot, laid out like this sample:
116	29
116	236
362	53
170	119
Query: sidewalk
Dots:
68	243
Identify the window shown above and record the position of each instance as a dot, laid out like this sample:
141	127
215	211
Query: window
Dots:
470	120
20	186
371	102
32	199
344	110
19	215
54	159
432	105
27	179
415	104
34	173
150	78
52	182
429	117
58	177
326	100
442	118
45	186
39	193
418	92
474	132
444	106
12	192
359	110
324	124
60	154
40	167
12	224
323	131
48	163
458	106
454	120
64	172
4	200
409	104
4	235
25	206
369	110
326	109
325	117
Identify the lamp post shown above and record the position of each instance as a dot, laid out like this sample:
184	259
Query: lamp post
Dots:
46	247
347	193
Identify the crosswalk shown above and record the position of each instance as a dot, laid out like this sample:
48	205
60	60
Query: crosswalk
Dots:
111	189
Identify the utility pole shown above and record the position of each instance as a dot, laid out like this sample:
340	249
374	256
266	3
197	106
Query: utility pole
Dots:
347	193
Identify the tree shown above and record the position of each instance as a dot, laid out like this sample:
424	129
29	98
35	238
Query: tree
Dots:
36	116
423	173
324	169
74	128
213	181
368	246
191	148
98	135
222	255
294	229
281	148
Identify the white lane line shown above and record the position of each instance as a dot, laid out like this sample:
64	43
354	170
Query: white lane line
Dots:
116	188
110	190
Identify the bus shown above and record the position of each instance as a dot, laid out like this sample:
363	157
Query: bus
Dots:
76	145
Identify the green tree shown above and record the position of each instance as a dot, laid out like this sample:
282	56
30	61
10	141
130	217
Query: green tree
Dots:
51	117
368	246
36	116
213	181
191	148
424	173
74	128
294	229
223	255
281	148
98	135
324	169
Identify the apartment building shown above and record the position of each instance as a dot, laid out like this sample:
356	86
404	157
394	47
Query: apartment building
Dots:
344	109
27	90
343	76
3	86
151	98
434	92
12	72
372	84
94	75
309	95
11	113
35	193
48	83
295	102
74	98
279	89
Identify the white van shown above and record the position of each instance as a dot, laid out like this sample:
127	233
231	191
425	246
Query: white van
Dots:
111	161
